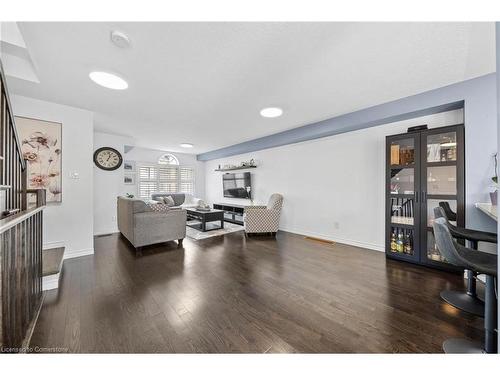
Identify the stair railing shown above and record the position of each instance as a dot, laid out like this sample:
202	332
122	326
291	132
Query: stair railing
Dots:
20	237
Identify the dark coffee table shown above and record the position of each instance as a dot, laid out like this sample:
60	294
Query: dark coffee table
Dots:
204	217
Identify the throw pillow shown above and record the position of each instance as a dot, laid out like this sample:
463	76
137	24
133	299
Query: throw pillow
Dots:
169	201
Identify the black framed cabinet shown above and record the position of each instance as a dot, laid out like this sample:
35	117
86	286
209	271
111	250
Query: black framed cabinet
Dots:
422	169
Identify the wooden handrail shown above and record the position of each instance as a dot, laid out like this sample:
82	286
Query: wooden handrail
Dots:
12	221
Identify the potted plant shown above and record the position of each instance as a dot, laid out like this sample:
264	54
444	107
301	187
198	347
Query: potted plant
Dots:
494	193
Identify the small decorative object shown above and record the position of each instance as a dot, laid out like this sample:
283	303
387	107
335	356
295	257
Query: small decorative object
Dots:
494	194
107	158
41	148
252	163
417	128
129	179
394	154
202	206
129	166
129	195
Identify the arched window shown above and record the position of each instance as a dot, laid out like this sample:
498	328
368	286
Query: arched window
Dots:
168	159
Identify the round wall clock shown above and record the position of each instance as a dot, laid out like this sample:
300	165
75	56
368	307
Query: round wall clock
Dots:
107	158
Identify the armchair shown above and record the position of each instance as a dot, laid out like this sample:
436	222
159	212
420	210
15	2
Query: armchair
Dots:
142	226
264	219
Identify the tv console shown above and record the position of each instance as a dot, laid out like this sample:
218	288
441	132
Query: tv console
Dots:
233	213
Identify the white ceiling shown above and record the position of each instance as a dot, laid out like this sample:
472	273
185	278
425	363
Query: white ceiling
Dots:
205	83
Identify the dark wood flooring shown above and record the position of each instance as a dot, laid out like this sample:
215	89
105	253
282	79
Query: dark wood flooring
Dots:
255	295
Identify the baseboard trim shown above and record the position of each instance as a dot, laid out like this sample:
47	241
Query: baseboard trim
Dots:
53	245
50	282
105	233
345	241
78	253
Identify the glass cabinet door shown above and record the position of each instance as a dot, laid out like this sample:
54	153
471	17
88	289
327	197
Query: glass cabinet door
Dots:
402	212
442	181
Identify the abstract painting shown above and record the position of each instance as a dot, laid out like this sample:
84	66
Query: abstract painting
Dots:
41	147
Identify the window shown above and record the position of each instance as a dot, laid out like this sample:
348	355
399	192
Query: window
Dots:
168	159
165	179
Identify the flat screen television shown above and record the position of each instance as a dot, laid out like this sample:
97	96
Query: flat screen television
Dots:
237	185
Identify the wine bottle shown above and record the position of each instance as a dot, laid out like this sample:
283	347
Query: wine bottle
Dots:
408	247
393	242
399	243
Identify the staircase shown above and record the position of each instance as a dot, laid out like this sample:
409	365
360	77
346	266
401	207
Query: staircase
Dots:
52	262
21	231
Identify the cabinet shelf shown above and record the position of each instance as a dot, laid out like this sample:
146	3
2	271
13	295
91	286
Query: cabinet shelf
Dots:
404	226
402	166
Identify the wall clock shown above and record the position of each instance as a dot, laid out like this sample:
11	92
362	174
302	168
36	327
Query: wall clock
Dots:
107	158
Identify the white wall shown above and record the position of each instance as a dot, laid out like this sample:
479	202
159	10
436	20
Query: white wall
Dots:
109	184
334	187
69	223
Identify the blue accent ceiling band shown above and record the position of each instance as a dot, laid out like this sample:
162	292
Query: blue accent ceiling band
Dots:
427	103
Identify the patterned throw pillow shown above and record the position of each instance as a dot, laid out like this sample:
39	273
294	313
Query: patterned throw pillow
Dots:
159	207
169	201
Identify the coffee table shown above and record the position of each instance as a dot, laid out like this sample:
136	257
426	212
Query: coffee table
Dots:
204	217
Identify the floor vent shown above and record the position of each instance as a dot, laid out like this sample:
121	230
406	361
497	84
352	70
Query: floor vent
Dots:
319	240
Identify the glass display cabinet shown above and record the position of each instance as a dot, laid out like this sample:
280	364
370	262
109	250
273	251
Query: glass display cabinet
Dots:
423	168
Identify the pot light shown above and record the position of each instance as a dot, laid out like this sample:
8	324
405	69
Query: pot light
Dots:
271	112
108	80
187	145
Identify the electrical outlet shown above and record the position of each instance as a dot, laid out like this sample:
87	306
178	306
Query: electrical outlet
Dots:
113	218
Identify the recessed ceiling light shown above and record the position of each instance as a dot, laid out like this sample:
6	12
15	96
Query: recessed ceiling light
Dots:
187	145
271	112
108	80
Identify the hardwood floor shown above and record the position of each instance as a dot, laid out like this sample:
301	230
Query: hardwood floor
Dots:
232	294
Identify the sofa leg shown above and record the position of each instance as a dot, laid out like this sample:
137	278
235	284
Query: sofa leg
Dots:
179	242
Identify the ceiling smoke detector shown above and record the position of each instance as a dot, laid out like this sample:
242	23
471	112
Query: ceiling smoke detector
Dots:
120	39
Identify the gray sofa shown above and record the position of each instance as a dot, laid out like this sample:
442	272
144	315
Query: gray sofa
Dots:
142	226
180	199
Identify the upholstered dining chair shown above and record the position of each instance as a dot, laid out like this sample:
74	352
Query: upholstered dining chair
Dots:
264	219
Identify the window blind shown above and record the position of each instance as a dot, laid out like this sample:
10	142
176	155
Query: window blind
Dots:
165	179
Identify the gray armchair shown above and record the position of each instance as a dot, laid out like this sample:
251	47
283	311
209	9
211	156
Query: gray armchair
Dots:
142	226
264	219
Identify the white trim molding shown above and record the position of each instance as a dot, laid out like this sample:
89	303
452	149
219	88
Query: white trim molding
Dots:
53	245
78	253
345	241
105	233
50	282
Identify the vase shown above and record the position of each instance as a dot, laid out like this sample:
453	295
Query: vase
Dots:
494	197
